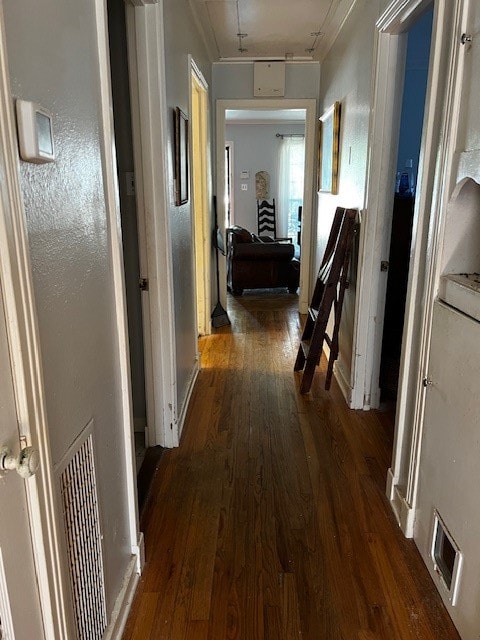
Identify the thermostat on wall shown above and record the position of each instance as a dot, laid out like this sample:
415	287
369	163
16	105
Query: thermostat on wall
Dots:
35	133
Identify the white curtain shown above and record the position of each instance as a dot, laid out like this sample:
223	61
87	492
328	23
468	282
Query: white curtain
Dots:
290	186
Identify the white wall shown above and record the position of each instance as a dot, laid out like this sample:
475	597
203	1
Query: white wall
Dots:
52	54
255	148
181	39
346	77
234	81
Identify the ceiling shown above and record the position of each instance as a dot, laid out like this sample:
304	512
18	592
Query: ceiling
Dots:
270	29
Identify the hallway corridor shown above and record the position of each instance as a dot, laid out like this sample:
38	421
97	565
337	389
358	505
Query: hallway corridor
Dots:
270	521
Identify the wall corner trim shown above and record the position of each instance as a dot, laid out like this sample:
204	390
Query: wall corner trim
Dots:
404	513
138	550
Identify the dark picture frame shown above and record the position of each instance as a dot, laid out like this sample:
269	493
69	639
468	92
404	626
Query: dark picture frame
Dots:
328	150
181	157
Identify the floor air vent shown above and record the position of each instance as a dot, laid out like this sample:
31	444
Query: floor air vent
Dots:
447	559
84	547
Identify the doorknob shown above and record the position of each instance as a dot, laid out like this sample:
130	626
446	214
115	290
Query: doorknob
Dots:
25	464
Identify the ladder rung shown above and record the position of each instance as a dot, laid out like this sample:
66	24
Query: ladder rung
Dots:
313	313
327	339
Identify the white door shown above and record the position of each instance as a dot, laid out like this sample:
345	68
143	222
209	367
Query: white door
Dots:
20	612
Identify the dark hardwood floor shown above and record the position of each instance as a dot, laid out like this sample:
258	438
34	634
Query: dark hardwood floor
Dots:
270	521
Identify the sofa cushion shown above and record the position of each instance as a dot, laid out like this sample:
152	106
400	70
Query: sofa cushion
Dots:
240	234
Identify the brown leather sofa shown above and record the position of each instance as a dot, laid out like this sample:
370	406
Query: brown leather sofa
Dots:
255	262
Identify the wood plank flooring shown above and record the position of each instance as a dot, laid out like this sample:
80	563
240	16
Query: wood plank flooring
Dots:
270	521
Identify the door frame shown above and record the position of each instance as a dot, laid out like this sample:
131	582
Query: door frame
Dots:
24	343
432	194
310	107
201	216
145	40
231	150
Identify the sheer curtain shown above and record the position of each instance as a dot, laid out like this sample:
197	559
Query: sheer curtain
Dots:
290	186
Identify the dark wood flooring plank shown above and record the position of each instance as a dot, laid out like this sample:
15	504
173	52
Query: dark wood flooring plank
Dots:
270	521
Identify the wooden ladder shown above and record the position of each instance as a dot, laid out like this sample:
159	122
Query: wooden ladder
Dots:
329	292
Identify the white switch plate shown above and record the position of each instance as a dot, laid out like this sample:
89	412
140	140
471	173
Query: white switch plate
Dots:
244	186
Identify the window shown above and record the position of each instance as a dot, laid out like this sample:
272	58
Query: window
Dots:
291	178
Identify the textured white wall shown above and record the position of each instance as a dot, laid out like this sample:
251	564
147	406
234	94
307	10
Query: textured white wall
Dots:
52	55
181	39
346	77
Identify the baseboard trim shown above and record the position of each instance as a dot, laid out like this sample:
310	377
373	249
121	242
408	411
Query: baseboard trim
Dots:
404	513
124	599
188	397
343	383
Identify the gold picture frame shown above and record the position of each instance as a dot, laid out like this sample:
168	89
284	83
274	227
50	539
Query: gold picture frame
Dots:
328	150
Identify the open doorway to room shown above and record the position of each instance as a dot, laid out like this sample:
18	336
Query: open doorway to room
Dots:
128	213
271	143
273	151
411	124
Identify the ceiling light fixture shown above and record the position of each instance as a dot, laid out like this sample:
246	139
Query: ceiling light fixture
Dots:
315	35
240	35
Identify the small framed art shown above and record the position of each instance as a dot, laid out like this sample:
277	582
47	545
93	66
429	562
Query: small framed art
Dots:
328	150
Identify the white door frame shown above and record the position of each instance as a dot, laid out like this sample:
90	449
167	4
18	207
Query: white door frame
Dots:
149	124
231	147
27	372
310	107
433	188
201	224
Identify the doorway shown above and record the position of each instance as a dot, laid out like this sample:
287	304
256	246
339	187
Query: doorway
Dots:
129	221
201	210
410	136
244	180
399	16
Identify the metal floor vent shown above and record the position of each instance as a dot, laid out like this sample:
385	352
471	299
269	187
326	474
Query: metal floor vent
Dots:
447	559
84	547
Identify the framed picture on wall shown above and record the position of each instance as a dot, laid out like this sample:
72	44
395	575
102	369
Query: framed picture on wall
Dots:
328	150
181	157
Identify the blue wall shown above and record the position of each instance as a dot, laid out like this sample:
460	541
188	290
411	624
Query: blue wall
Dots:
416	73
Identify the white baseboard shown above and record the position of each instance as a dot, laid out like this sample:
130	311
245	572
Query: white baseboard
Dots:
124	599
343	383
403	511
188	396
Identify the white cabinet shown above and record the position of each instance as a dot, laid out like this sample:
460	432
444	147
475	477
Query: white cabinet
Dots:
449	476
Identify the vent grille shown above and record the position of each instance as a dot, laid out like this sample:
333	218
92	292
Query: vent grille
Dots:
84	548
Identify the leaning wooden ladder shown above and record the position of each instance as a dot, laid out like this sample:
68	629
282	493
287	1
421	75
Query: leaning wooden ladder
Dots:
329	292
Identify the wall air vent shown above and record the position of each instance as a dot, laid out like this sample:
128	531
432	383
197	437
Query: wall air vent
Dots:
83	539
447	559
